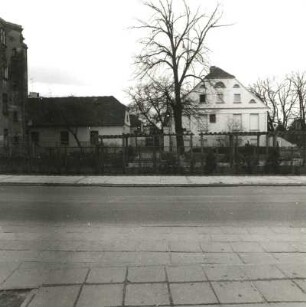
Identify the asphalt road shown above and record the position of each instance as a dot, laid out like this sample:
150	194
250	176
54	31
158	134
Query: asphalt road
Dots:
156	205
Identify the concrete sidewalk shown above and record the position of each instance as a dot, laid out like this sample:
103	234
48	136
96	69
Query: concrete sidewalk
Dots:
148	181
94	265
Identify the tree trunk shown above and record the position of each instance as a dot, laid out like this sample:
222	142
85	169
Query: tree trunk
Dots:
178	129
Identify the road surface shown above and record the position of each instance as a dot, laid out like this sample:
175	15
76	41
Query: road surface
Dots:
156	205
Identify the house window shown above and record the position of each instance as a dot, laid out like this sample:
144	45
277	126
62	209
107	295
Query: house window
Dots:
252	101
220	98
94	137
203	98
237	98
35	137
219	85
212	118
2	37
203	123
237	122
254	122
236	86
15	116
64	138
5	104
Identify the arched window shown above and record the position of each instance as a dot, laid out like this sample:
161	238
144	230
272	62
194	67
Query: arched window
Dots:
219	85
236	86
252	101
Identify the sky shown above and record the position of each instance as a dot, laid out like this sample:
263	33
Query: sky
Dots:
86	48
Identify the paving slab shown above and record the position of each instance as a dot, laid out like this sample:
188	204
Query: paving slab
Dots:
158	246
187	258
152	258
55	296
222	258
257	258
193	293
100	295
280	291
6	269
256	272
216	247
146	274
278	247
184	246
247	247
237	292
147	294
223	272
25	279
106	275
65	276
185	273
301	283
291	257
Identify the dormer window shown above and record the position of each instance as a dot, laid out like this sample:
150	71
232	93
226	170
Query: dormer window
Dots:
220	98
237	98
203	98
219	85
236	86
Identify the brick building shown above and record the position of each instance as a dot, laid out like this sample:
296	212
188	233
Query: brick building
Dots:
13	84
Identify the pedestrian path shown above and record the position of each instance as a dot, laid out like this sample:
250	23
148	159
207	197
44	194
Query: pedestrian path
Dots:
152	180
158	265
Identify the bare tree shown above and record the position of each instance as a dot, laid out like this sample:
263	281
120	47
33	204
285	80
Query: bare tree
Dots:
298	81
279	97
175	42
152	102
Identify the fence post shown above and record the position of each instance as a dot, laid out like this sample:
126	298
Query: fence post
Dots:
123	153
258	149
191	153
154	155
202	152
232	150
267	144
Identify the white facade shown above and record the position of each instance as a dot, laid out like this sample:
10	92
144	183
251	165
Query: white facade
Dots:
51	136
225	105
226	109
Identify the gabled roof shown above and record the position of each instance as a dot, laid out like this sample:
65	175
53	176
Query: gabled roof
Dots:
75	112
218	73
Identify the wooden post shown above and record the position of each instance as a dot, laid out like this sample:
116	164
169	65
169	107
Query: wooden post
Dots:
258	149
123	153
191	153
202	152
267	144
232	150
154	155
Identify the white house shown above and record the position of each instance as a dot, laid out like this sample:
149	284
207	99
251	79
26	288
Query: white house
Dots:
65	121
223	104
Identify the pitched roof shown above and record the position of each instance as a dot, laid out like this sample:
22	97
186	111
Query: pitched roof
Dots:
76	112
218	73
